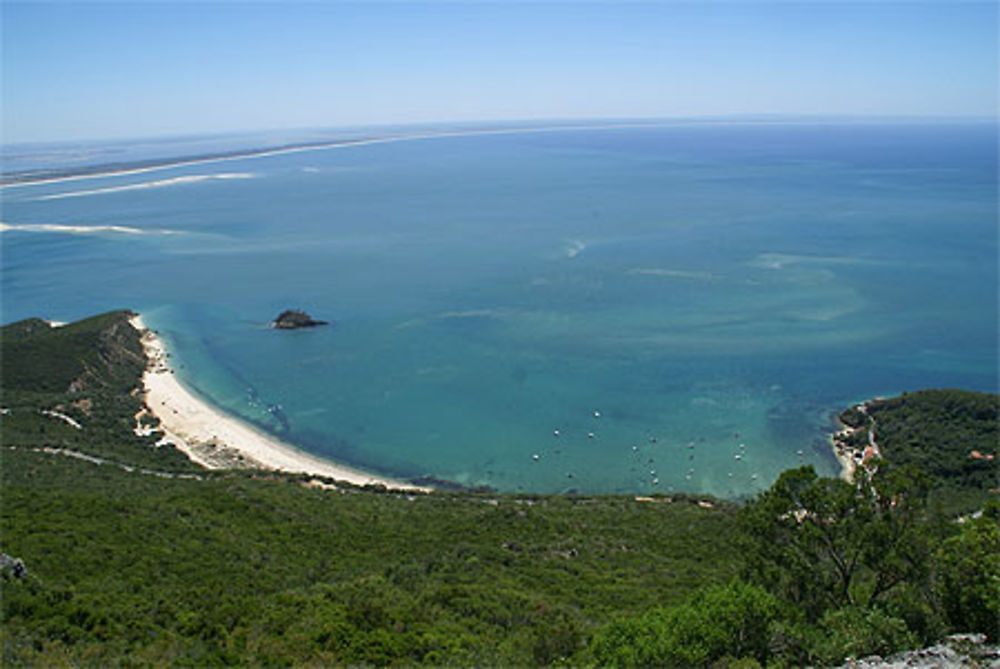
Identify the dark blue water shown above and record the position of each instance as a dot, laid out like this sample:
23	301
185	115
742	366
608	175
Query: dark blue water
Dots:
709	290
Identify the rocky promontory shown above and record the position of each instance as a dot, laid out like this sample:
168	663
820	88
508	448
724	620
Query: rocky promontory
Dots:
292	319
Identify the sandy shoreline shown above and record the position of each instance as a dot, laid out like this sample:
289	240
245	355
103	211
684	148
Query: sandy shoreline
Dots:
844	457
216	440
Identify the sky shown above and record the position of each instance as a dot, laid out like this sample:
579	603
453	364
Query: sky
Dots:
76	70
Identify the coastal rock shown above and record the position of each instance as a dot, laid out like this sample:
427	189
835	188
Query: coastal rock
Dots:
292	319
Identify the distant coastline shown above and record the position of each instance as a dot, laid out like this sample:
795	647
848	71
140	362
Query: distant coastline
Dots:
216	440
55	175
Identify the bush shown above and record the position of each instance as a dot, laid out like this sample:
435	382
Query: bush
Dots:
732	621
856	632
557	637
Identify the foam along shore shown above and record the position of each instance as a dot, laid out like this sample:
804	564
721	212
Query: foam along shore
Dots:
216	440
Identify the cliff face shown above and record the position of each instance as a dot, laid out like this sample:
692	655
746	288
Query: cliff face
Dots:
292	319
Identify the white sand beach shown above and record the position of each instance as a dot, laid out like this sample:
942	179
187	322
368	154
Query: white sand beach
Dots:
216	440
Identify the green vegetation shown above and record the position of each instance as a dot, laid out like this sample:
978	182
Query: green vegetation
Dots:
951	436
854	561
936	431
830	570
824	543
235	566
163	562
970	574
103	352
731	621
88	371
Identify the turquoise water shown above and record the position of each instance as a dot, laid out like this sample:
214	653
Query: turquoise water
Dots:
709	290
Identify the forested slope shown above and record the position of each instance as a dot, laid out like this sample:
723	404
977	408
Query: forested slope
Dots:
135	555
952	437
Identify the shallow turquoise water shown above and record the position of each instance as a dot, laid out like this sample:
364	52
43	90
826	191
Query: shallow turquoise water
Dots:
702	287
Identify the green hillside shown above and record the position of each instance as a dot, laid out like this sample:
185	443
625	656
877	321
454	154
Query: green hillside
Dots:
99	352
90	372
134	555
951	436
237	567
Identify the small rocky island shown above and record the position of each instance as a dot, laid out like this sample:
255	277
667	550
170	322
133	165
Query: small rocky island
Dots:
292	319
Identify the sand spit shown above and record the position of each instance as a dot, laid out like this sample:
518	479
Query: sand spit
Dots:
367	140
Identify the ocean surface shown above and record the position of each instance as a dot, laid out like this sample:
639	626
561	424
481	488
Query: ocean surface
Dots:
687	305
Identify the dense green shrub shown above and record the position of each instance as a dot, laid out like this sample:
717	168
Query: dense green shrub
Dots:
234	569
969	577
734	621
936	432
858	632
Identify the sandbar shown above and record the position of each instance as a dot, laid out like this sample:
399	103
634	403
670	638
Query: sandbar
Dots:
216	440
247	154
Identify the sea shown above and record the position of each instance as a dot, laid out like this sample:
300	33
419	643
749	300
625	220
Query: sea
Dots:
675	307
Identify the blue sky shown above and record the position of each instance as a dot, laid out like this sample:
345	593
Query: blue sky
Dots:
74	70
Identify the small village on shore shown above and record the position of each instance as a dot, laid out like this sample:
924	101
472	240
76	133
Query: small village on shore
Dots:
854	444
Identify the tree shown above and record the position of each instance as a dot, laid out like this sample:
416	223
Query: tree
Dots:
969	577
823	543
730	621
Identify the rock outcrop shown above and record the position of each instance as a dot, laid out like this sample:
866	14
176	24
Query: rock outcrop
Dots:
292	319
957	650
